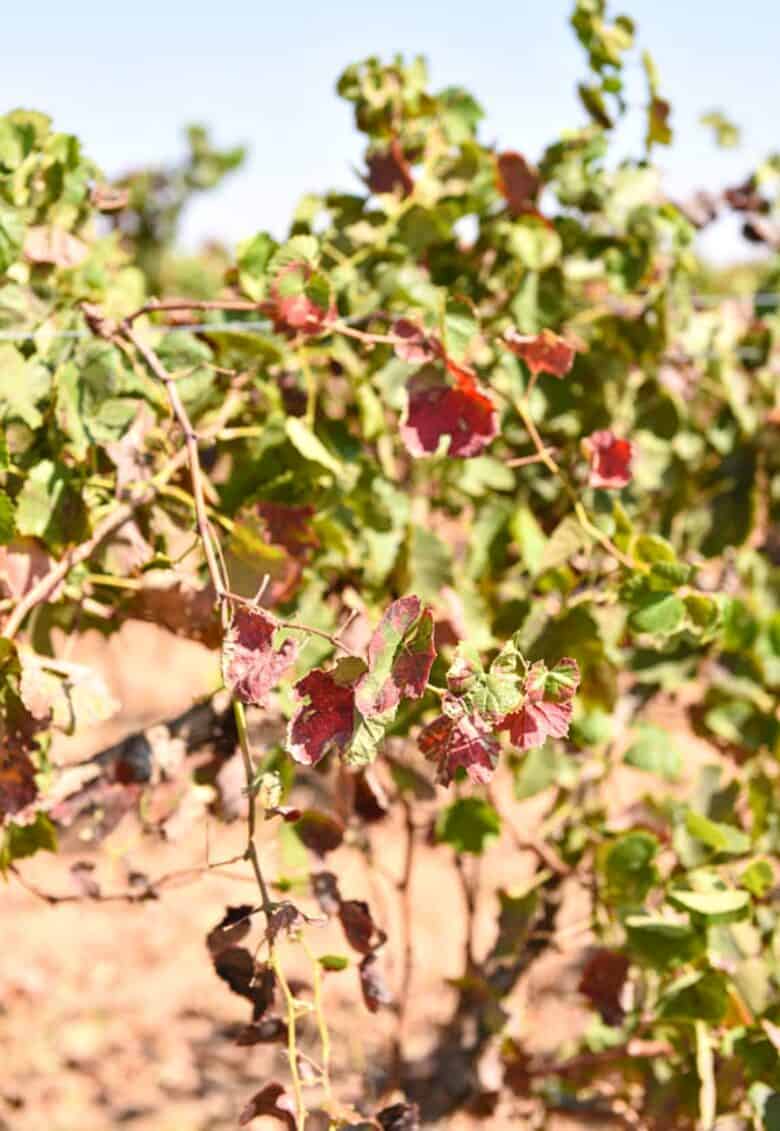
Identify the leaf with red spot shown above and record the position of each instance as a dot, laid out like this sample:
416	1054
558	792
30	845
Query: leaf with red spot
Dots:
389	170
400	655
459	740
547	708
413	344
373	985
602	981
542	353
251	665
465	414
518	182
301	301
273	1102
610	459
326	720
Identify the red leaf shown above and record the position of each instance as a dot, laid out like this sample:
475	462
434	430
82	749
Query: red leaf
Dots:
547	709
373	985
602	984
415	346
466	741
518	182
610	459
251	664
291	309
363	935
388	170
464	414
542	353
289	526
327	720
400	656
273	1101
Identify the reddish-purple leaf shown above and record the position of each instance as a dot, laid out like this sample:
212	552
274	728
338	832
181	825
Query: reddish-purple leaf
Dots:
291	308
370	800
465	741
518	182
326	721
250	663
373	985
17	781
547	708
284	917
414	346
465	414
290	527
602	981
400	655
272	1101
363	935
542	353
389	170
610	459
319	831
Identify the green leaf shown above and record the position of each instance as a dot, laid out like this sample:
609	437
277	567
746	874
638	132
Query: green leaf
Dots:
566	540
468	825
758	878
39	499
542	767
662	943
654	751
20	841
11	236
459	329
529	537
661	615
717	835
536	245
7	519
629	868
429	563
333	962
701	997
23	385
310	446
710	903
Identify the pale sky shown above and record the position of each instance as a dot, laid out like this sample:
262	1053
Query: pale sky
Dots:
125	78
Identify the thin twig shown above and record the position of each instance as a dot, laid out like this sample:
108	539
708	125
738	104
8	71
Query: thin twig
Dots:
405	893
250	852
157	306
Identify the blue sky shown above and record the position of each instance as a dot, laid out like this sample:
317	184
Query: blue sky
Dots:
126	78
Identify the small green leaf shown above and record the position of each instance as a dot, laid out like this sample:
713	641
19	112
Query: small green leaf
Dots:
758	878
710	903
468	825
334	962
20	841
661	615
7	520
717	835
629	868
566	540
310	446
701	997
654	751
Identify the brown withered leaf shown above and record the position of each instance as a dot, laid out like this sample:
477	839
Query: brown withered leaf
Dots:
373	985
232	928
45	243
273	1101
602	982
518	182
255	982
182	609
320	832
267	1031
362	933
325	889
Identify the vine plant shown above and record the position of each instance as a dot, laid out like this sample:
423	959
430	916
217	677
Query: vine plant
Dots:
473	462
